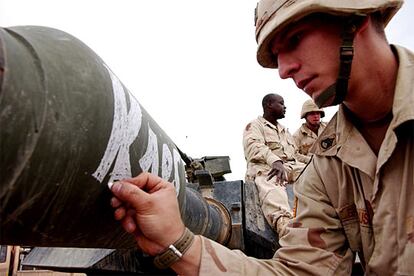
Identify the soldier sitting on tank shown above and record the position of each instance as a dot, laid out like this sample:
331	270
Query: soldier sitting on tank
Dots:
309	131
356	196
270	153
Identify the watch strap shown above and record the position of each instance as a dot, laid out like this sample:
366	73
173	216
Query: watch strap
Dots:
174	252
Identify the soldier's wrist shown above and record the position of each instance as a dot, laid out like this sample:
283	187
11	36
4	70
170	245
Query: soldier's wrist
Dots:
189	264
280	160
175	251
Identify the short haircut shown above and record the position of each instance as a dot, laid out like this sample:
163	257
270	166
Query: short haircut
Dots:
268	99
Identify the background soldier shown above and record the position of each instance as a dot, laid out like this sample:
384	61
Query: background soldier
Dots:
270	153
309	131
357	194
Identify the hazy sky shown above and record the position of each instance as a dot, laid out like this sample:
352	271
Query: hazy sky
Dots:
191	64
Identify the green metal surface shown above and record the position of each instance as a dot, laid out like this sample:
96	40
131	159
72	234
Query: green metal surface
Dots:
68	126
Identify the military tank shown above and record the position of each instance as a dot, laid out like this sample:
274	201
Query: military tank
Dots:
68	127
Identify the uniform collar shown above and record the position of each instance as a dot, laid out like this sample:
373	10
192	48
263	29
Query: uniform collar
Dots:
307	131
402	108
278	127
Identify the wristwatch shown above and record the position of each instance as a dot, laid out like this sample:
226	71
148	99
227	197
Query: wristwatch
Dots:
174	252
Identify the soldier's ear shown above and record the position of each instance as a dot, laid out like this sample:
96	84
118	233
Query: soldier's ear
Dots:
363	24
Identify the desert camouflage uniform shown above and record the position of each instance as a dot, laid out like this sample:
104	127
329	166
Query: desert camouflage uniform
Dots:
349	201
265	143
304	139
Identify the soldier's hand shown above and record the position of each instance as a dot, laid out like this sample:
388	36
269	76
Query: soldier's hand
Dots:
147	207
279	172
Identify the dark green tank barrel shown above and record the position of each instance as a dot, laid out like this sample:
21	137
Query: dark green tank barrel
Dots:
68	126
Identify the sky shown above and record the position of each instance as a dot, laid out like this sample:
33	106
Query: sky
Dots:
191	64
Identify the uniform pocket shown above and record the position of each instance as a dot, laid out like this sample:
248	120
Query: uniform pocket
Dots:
305	148
273	145
405	265
350	222
405	260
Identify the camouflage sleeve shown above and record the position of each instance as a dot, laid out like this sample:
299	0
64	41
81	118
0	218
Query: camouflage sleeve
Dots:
315	236
299	156
314	243
302	158
255	149
296	138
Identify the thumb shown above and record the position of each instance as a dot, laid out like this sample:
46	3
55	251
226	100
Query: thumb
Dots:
128	193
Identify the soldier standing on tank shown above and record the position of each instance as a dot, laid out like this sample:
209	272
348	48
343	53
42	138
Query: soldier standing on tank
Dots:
356	196
309	131
270	154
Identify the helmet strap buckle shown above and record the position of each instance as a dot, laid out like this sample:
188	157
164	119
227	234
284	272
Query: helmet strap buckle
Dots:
346	55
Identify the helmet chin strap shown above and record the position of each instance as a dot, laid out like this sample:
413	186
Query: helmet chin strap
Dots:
339	89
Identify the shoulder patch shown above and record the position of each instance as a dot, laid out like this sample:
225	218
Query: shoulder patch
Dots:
248	127
327	142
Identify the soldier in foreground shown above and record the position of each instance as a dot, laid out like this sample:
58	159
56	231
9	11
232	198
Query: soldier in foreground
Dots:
309	131
357	194
270	154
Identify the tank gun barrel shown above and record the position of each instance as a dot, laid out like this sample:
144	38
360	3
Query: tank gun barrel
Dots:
68	127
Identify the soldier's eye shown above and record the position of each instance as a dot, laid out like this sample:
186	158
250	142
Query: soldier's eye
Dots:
295	39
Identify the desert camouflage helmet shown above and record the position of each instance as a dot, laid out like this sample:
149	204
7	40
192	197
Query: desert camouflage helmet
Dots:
310	106
271	16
